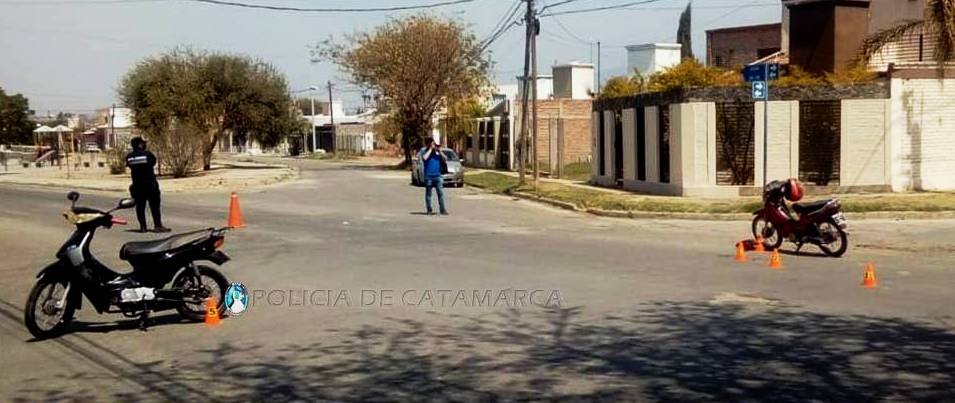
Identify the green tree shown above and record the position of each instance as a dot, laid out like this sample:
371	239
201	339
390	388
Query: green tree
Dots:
209	94
417	64
684	33
938	19
15	124
460	118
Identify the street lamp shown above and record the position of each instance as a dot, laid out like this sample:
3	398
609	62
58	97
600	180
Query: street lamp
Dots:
311	97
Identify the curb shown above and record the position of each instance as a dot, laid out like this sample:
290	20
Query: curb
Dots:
288	174
874	215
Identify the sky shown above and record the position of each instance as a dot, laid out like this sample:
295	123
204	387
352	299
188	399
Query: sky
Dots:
69	55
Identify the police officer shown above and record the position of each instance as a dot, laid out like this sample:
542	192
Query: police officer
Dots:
145	187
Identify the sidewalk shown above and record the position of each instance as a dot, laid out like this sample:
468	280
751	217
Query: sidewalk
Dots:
225	175
579	196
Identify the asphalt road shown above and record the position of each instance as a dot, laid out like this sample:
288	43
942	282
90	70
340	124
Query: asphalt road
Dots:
360	297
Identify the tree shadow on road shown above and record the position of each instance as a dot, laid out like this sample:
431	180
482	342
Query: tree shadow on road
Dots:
663	351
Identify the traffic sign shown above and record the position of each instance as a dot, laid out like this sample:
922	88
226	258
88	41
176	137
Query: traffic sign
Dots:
761	72
759	90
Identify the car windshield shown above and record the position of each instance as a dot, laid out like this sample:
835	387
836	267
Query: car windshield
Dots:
450	154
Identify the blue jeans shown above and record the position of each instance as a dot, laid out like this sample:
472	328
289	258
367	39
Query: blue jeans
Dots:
438	184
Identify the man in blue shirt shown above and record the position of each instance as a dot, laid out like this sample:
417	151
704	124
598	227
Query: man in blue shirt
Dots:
432	163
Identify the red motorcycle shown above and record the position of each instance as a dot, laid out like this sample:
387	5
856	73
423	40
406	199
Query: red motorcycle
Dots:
820	222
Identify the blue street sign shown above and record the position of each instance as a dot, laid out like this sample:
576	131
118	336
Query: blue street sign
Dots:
759	90
761	72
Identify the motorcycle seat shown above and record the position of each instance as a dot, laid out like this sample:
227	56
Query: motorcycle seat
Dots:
809	207
142	248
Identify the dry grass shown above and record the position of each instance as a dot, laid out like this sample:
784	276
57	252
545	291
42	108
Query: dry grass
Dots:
593	197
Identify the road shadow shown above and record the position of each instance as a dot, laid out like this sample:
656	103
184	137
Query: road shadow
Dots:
663	351
373	167
79	327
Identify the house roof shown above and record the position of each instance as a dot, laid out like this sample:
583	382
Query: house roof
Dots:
645	46
797	3
745	28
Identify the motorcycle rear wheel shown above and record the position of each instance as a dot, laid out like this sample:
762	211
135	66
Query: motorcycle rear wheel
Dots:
771	237
43	297
840	235
210	284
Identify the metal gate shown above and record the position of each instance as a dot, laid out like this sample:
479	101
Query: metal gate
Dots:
819	142
735	138
504	145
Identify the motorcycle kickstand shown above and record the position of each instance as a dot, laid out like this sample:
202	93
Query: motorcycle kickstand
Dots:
799	246
144	318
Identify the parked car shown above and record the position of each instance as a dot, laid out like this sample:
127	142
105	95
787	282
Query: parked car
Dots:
91	148
454	177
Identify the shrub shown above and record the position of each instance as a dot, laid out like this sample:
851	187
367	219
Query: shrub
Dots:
691	73
179	148
856	74
797	77
116	160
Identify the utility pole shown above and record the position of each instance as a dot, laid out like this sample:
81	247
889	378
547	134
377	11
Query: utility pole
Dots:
522	141
598	67
314	144
331	114
111	141
535	30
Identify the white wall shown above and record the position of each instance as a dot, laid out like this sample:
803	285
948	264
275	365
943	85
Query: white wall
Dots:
783	161
652	58
923	134
864	131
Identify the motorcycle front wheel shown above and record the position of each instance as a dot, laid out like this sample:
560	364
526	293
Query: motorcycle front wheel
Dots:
836	241
771	238
49	309
209	284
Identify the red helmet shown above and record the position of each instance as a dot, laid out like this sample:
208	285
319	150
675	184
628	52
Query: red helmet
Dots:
795	190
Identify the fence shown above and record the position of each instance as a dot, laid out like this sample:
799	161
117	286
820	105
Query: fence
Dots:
709	142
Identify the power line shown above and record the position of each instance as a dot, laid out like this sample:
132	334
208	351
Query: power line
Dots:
604	8
75	2
568	31
508	15
502	29
331	10
559	3
501	33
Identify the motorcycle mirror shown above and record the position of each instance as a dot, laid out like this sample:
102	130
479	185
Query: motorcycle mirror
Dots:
73	196
126	203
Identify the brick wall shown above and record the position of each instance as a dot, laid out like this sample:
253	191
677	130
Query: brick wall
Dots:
575	117
735	47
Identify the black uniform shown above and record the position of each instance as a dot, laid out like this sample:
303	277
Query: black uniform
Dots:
145	187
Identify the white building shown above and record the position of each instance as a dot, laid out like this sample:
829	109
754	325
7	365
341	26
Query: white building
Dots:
652	57
573	80
545	86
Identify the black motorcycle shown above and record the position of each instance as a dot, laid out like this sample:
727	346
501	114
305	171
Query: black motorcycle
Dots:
165	275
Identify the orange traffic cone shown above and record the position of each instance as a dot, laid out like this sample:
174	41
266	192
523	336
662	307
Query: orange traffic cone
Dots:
868	278
759	244
740	252
775	262
212	312
235	214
